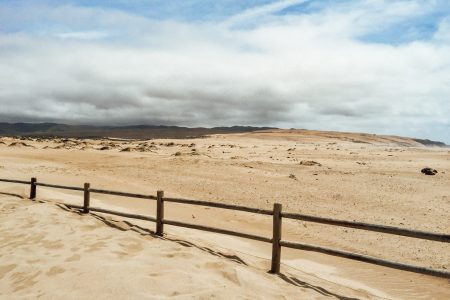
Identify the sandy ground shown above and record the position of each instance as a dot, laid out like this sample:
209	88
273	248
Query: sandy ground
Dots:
347	176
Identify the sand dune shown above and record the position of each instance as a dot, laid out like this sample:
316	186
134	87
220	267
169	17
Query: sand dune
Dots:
49	251
348	176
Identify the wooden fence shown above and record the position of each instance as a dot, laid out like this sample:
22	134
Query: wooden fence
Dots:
277	216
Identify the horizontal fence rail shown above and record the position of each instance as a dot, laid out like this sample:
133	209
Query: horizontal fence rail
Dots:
218	230
122	214
113	212
16	181
220	205
56	186
131	195
439	237
364	258
277	215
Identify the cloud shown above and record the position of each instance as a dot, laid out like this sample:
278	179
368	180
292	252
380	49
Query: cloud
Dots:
314	69
442	34
83	35
260	11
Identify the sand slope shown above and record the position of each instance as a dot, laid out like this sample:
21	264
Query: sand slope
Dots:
49	252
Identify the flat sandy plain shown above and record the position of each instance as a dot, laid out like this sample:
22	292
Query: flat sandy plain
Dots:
49	251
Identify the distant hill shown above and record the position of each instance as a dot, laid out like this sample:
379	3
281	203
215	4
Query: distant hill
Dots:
332	137
177	132
126	132
431	143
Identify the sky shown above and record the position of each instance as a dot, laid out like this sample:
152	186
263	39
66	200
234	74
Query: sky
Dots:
377	66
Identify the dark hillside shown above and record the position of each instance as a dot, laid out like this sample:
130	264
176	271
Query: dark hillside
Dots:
130	132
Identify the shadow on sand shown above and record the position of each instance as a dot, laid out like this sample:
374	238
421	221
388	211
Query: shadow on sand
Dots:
13	195
297	282
147	232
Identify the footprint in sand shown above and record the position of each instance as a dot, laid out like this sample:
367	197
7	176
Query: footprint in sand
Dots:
129	247
4	270
96	246
74	257
230	275
32	261
89	227
132	247
52	245
55	271
179	254
22	280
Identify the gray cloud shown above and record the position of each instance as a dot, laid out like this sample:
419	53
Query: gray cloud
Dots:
294	71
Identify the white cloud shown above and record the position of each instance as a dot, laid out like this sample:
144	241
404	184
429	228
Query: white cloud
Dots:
292	70
259	12
83	35
442	35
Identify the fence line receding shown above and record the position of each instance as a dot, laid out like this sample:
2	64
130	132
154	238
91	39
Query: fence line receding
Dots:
277	216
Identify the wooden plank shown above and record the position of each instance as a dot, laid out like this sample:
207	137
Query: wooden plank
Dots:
15	181
160	213
64	187
87	198
218	230
113	212
33	188
123	194
445	238
122	214
367	259
276	247
220	205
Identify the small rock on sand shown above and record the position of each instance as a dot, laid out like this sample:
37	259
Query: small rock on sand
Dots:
310	163
127	149
429	171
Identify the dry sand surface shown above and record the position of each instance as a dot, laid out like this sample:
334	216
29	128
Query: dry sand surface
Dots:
52	252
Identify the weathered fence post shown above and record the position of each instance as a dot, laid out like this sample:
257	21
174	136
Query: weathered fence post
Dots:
33	188
87	198
159	213
276	247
